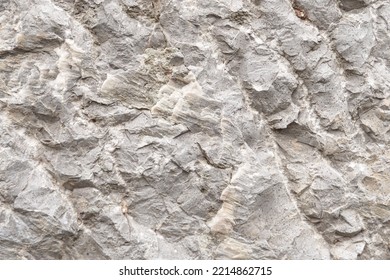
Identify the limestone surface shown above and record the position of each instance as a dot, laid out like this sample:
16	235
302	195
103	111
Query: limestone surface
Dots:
182	129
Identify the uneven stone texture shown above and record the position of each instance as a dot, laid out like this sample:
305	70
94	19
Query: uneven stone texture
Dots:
181	129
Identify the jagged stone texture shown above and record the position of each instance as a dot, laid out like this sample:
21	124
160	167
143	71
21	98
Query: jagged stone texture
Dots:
181	129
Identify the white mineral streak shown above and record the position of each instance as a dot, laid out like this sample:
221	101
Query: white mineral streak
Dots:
182	129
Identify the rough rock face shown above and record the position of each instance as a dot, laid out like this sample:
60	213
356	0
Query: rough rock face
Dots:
181	129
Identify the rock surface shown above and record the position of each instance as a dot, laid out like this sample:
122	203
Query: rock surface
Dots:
180	129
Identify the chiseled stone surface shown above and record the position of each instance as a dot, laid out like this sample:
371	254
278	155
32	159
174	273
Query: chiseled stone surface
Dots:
181	129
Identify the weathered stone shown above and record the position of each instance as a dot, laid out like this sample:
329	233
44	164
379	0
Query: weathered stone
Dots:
134	129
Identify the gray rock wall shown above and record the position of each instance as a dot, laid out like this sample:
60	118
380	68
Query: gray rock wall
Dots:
181	129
